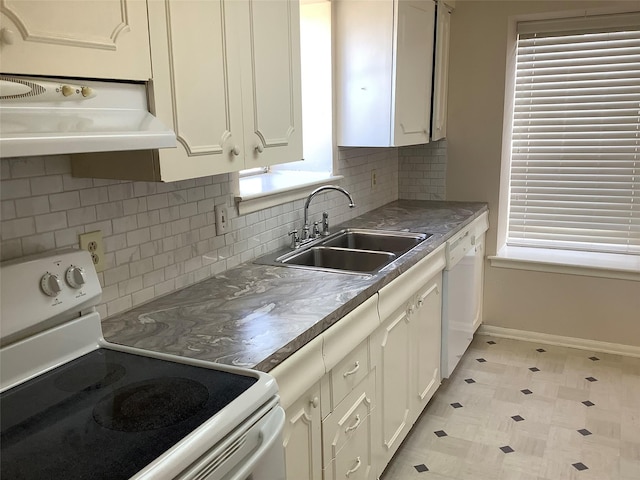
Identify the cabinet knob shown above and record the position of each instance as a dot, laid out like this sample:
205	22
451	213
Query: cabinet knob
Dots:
355	467
420	303
7	36
67	90
259	148
314	402
356	367
235	150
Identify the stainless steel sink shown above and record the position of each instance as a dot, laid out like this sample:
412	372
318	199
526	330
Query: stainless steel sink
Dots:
378	240
356	251
340	259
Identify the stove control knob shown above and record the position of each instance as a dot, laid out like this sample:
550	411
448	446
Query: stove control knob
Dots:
75	277
50	284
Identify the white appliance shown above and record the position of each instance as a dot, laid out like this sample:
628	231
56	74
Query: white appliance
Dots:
50	116
462	286
75	406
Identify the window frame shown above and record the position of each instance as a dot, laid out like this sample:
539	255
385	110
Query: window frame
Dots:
609	265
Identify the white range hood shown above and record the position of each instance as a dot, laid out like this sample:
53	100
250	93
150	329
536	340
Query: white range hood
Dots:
54	116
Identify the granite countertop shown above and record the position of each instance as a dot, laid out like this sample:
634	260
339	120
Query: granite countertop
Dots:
256	316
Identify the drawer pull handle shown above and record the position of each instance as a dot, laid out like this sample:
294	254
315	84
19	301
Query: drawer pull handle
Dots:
355	425
356	467
355	368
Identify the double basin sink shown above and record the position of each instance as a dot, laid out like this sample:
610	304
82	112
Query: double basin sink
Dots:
359	251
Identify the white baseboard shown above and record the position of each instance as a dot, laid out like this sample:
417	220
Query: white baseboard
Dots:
572	342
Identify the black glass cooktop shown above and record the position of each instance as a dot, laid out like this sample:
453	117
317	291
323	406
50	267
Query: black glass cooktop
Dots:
107	415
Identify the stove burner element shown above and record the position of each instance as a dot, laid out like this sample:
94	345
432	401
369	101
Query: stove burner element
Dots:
151	404
90	377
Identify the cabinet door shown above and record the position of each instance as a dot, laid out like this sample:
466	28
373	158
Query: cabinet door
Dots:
441	72
303	437
271	92
75	38
413	71
426	328
196	87
392	342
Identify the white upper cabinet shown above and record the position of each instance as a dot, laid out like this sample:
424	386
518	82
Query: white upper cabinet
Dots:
75	38
441	71
226	79
226	76
384	70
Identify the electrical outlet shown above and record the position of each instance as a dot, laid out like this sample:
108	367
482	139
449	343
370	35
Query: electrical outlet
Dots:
92	243
374	180
222	221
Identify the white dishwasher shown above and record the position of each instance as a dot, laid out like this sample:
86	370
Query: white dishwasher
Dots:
462	286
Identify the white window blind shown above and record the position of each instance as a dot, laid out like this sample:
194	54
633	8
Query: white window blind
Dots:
575	158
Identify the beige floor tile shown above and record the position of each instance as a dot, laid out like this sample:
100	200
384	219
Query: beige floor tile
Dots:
545	440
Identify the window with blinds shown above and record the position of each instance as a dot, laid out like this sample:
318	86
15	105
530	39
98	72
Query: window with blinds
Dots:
575	155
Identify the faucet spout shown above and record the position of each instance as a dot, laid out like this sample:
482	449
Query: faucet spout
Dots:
320	190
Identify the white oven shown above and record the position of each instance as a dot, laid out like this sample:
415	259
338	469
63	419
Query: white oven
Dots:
74	406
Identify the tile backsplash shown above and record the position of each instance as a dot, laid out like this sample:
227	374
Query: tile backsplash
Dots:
159	237
421	171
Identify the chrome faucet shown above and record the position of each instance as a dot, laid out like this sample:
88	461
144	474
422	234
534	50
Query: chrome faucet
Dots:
325	216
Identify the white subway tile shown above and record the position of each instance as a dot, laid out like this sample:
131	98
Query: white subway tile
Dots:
124	224
115	275
140	267
8	210
64	201
10	249
153	278
120	191
27	167
127	287
38	243
83	215
68	237
12	189
93	196
27	207
19	227
119	305
75	183
164	288
134	205
51	221
139	236
114	243
107	211
142	296
57	164
127	255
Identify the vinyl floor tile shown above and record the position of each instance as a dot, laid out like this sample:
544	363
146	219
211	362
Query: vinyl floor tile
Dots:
482	440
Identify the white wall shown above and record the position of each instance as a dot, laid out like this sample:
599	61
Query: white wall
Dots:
160	237
585	307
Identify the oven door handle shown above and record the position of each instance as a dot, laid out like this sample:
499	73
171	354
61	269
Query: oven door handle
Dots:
270	433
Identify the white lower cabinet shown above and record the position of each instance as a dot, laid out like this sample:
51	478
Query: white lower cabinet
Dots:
352	394
302	437
391	350
426	334
406	351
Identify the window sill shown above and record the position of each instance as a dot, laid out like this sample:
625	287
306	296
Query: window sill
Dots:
607	265
258	192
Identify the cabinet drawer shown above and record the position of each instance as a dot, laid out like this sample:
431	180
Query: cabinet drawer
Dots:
344	377
354	460
348	418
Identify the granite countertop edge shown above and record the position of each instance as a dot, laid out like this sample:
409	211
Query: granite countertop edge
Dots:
256	316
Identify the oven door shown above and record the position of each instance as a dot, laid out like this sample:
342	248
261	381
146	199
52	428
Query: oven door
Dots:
252	452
